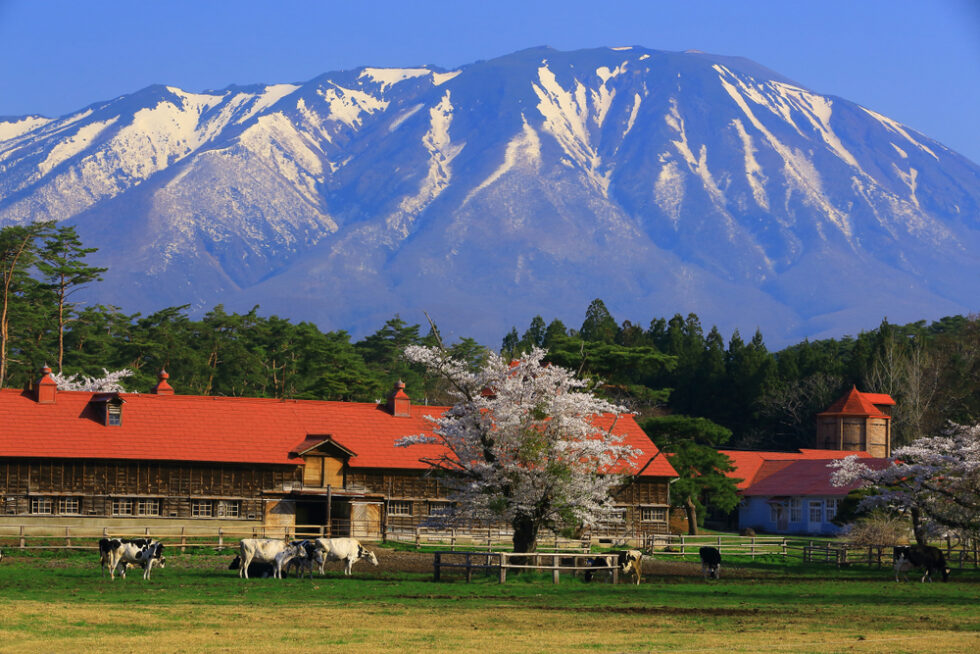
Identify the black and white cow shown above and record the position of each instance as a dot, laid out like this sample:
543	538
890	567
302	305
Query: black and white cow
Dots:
927	557
631	561
710	562
106	545
118	554
348	550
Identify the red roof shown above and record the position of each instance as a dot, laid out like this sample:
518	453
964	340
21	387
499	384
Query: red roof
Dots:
234	430
856	403
806	477
752	467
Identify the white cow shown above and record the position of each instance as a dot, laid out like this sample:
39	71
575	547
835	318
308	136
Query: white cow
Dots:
263	550
121	555
348	550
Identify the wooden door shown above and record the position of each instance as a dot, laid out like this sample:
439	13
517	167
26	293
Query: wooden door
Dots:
365	520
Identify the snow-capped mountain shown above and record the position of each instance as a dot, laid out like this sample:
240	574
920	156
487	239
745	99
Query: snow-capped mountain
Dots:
529	184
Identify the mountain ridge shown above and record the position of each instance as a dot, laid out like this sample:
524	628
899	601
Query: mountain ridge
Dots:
521	185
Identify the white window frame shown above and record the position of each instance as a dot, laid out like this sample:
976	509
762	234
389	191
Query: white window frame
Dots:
815	511
122	506
400	508
229	509
202	508
615	516
774	511
148	506
69	506
652	514
795	510
42	506
439	509
830	512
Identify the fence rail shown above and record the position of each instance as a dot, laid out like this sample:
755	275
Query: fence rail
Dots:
501	562
960	555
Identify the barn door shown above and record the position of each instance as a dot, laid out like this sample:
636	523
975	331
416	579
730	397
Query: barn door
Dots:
365	520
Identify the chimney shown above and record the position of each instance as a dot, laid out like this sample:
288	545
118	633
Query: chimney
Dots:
399	404
162	387
46	387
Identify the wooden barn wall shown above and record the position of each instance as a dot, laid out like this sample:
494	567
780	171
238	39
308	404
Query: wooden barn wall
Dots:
175	484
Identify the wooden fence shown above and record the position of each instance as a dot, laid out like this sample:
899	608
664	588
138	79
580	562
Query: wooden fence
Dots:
501	562
683	545
959	555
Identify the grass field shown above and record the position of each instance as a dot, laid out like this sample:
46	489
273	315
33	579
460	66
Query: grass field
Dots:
58	602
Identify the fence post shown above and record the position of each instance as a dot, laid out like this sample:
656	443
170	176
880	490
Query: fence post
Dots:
452	539
469	569
183	540
503	567
436	561
221	539
67	536
418	538
555	574
615	570
23	544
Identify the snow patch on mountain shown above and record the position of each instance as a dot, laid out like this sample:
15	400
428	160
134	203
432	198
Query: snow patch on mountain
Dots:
566	114
347	105
10	129
438	79
386	77
71	146
898	129
669	189
441	151
753	171
522	150
403	116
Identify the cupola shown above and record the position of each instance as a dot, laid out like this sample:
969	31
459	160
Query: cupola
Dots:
399	404
47	388
162	387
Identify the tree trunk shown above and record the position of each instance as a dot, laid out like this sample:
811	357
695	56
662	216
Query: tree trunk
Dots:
525	534
692	517
918	529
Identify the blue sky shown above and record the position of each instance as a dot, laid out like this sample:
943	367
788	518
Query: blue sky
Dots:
915	61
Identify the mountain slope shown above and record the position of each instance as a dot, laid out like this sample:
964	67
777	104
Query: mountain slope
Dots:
527	184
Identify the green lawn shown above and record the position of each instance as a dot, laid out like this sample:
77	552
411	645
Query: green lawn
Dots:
58	602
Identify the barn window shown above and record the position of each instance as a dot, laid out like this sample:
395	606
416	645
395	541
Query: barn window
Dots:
616	516
113	415
653	514
41	505
202	509
229	509
122	506
69	506
440	508
148	507
795	511
399	508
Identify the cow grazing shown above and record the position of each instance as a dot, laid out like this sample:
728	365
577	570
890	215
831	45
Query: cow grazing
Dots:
927	557
107	545
710	562
348	550
263	550
119	554
631	561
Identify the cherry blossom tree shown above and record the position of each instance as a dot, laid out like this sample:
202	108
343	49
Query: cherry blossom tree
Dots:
110	382
524	442
935	481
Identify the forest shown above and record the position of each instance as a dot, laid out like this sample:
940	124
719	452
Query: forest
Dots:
669	366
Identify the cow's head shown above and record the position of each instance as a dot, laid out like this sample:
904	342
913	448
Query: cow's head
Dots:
363	553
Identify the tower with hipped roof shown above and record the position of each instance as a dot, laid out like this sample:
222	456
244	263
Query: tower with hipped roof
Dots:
857	422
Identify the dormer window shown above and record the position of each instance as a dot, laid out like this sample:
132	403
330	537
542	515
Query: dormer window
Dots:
108	407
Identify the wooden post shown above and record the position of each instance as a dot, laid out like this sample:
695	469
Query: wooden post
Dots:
452	541
418	537
436	561
67	536
554	573
23	540
469	569
329	508
221	539
183	540
615	569
503	567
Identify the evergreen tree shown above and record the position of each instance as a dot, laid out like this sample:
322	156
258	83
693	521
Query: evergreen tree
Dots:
599	324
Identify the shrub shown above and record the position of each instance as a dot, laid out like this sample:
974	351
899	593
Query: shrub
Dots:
879	528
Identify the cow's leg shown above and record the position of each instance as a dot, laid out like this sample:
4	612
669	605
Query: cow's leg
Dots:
348	564
246	561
